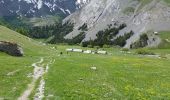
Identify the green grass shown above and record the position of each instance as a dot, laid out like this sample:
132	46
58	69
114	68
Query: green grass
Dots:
168	1
119	75
164	46
129	10
165	36
145	2
12	85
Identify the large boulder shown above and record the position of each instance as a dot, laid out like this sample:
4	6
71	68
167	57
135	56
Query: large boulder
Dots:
11	48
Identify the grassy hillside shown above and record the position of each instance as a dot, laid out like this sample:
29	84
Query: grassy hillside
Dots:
14	70
29	45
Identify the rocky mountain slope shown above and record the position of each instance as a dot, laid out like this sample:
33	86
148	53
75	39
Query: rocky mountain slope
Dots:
140	16
31	8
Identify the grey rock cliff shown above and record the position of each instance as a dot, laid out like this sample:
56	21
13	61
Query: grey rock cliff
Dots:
153	16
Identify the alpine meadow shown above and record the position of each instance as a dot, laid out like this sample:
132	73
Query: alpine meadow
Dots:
84	49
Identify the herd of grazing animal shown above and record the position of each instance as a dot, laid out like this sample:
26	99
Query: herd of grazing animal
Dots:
87	51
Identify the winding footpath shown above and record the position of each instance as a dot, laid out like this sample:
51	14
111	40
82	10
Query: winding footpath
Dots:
39	95
38	73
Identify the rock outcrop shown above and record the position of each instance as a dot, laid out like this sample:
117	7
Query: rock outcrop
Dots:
12	49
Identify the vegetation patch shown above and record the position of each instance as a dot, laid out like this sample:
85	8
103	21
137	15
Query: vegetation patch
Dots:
83	27
60	31
125	49
129	10
104	37
121	40
144	52
165	37
142	42
76	40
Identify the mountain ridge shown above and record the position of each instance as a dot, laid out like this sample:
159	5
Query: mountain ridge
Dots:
39	8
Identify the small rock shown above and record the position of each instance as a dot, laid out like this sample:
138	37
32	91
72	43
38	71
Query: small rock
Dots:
93	68
81	79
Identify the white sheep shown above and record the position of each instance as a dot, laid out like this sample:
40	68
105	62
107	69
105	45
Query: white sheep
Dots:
93	68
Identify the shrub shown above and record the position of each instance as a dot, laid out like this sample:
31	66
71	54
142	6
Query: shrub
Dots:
122	26
83	27
76	40
85	43
106	46
125	49
129	10
144	52
89	46
142	42
163	56
96	47
121	40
